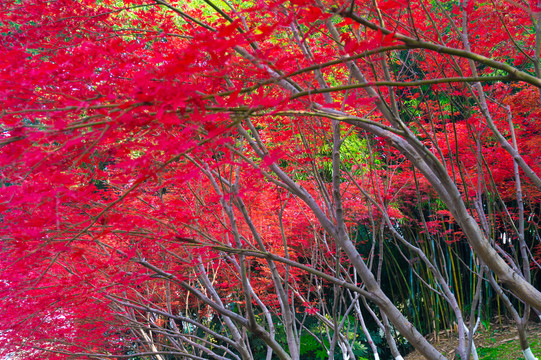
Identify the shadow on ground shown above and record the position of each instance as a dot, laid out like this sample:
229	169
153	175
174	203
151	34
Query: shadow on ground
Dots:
496	342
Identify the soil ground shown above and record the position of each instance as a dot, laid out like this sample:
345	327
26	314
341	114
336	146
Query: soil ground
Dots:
497	342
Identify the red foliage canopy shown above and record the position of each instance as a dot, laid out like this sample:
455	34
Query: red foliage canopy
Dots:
147	146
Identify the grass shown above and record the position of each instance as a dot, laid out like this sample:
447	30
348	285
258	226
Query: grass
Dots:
509	350
494	342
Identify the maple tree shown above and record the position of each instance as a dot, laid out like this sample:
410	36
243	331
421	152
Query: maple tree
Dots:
231	180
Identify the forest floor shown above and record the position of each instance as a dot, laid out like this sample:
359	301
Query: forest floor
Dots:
495	342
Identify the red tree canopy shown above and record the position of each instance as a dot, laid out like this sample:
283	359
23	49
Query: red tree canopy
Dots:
187	178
